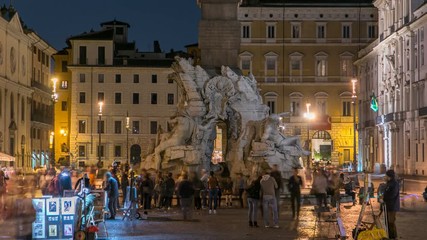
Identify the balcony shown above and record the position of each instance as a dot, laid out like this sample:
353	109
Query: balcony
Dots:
42	117
41	86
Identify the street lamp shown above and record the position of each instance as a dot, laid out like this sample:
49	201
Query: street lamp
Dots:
100	104
127	137
309	116
54	100
353	101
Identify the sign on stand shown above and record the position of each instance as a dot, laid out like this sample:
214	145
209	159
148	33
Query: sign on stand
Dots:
52	217
68	213
39	225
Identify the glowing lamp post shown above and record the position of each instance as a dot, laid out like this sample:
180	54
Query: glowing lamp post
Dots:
127	137
52	136
353	101
100	104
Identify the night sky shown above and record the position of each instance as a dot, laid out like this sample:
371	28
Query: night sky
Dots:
173	22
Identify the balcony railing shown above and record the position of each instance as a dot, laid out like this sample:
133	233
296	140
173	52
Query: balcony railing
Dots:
42	117
41	86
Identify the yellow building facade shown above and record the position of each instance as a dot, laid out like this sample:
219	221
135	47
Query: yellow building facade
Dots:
61	134
302	55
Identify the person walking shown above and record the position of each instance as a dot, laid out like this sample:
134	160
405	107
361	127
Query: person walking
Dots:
240	184
198	186
186	194
3	184
320	184
275	173
112	189
294	185
268	188
157	189
64	179
213	192
253	192
125	184
391	198
204	191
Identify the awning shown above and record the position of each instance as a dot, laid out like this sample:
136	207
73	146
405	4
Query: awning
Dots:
6	158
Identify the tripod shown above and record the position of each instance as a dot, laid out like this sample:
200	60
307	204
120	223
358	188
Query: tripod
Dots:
132	211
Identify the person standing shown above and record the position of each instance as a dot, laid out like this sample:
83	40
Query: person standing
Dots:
125	184
294	185
253	192
391	199
157	189
147	187
170	188
186	194
213	192
3	185
83	182
112	189
268	188
64	181
275	173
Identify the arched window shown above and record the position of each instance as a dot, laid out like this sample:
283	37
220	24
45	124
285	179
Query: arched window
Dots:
271	101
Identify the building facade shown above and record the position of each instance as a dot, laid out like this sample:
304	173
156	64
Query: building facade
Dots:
25	105
393	72
137	96
302	55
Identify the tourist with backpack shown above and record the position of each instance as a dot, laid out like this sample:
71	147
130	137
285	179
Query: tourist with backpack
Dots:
213	187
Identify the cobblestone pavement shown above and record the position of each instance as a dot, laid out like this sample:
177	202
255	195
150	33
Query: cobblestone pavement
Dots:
232	224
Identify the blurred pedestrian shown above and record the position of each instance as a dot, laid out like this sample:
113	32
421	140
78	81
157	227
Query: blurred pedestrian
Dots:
169	189
147	187
334	188
294	185
253	193
186	194
391	199
204	191
83	182
425	194
228	191
268	188
349	187
157	189
240	187
3	185
124	184
198	186
275	173
320	184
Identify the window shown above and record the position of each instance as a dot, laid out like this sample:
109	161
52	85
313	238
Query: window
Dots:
372	31
271	31
135	98
101	151
271	103
346	67
22	109
153	127
117	98
117	127
171	98
64	65
64	84
82	126
82	151
120	30
321	31
43	58
135	127
246	64
154	78
64	106
321	67
101	126
346	31
170	81
39	55
296	30
82	55
135	78
346	108
101	55
47	60
422	55
295	107
100	96
321	103
246	31
82	77
295	64
117	151
271	63
82	97
100	78
118	78
153	98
